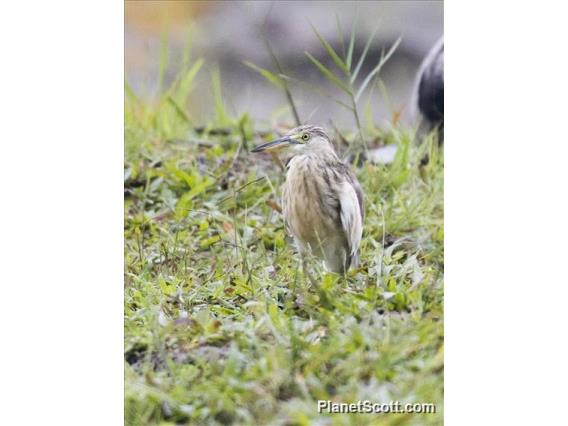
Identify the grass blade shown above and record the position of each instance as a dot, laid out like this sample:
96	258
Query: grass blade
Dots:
329	75
192	72
364	54
336	59
340	36
310	86
163	64
383	60
179	110
287	92
269	76
186	53
130	92
344	105
386	97
351	44
221	115
186	82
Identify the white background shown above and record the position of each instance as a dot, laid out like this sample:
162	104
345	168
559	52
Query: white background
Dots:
61	115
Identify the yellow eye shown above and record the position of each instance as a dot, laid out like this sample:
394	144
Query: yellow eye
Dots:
305	137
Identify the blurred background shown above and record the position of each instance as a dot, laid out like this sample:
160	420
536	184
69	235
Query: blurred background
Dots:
225	34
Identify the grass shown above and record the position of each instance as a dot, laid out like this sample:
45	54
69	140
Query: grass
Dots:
221	327
346	82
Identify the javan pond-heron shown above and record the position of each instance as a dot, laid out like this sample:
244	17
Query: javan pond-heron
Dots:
322	201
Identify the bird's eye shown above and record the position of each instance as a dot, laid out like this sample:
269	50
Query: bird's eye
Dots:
305	137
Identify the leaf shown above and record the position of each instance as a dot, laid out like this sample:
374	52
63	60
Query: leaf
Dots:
383	60
181	175
336	59
351	45
184	204
167	288
364	54
270	77
209	241
329	75
279	240
274	205
199	188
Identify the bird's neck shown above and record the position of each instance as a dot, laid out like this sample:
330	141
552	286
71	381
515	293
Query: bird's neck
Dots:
320	150
308	161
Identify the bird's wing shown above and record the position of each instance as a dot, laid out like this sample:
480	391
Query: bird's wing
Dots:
351	214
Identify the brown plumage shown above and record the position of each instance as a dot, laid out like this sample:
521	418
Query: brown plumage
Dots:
322	200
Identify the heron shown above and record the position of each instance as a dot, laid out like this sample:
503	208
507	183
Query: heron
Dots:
322	201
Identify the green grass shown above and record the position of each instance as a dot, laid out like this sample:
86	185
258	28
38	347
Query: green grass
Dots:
220	325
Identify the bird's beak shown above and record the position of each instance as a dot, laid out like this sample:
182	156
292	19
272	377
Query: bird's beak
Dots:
275	145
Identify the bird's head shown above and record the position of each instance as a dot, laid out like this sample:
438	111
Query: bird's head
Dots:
300	140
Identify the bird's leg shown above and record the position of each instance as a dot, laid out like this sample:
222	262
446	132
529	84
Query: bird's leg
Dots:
306	270
305	251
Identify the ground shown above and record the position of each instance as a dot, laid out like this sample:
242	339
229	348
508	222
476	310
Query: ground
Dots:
220	325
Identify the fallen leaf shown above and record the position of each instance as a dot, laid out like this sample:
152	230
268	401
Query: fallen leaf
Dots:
274	205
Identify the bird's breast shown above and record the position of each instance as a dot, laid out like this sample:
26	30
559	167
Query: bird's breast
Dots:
310	205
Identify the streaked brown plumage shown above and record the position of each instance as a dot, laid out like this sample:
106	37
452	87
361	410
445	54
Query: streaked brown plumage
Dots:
322	200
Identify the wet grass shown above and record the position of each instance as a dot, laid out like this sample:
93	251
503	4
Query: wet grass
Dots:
220	325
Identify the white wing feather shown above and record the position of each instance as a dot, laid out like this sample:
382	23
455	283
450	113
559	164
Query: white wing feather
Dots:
351	216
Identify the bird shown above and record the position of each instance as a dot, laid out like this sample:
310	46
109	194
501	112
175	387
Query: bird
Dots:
322	201
428	92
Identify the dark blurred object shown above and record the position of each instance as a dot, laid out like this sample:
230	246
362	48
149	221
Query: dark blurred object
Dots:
429	89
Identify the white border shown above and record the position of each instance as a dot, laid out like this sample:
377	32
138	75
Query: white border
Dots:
61	212
506	211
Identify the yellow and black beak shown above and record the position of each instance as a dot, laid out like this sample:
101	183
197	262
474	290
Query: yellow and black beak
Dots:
275	145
